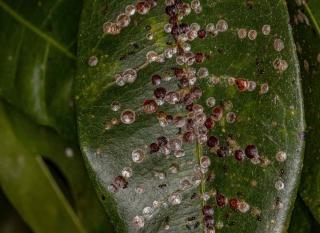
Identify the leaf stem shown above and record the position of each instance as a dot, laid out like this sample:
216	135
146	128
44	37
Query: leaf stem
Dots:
202	187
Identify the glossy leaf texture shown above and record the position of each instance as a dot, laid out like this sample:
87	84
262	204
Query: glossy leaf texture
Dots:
30	186
305	19
37	64
253	76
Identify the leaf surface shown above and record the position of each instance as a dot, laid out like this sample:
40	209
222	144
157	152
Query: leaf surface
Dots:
272	120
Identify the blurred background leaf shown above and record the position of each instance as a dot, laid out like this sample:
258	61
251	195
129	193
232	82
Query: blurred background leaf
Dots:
39	41
27	181
302	220
305	19
32	156
42	172
10	220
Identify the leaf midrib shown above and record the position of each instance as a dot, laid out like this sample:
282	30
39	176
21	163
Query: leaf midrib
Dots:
202	187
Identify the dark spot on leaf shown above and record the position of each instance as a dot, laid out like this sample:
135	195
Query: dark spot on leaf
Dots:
232	223
249	4
225	168
282	172
123	57
193	196
221	50
226	216
135	45
209	176
104	8
162	185
240	195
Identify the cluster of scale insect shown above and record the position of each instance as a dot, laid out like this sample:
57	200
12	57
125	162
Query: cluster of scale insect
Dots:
195	126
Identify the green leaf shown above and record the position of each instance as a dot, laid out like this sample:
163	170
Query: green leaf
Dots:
36	77
21	172
272	121
10	221
37	64
29	185
301	220
306	23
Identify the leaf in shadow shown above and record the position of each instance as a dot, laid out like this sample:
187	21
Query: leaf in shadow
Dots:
305	20
10	221
302	220
29	185
37	65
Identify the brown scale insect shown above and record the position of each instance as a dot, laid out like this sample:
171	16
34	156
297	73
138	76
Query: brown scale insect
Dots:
212	141
242	84
239	155
160	92
217	113
154	147
143	7
251	151
209	123
156	79
222	151
199	57
150	106
233	203
202	33
221	200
